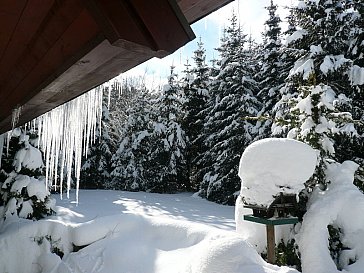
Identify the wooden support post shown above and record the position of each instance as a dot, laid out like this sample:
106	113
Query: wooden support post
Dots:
271	244
270	223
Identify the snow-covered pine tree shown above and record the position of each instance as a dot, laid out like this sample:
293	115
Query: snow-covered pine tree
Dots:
131	159
23	192
316	106
196	96
322	40
122	97
316	119
288	55
96	168
322	36
354	149
356	45
270	76
167	169
229	131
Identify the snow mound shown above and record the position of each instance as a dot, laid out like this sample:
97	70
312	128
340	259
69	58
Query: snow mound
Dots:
341	206
128	243
274	165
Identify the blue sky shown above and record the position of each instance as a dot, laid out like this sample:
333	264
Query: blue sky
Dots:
251	14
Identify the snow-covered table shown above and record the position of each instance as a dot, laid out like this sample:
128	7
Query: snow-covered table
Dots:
271	169
269	225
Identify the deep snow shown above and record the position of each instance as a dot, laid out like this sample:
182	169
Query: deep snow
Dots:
131	232
115	231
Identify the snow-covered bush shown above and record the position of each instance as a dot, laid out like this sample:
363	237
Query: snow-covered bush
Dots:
331	235
23	190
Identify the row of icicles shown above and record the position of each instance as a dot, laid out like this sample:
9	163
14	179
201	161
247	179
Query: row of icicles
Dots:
64	135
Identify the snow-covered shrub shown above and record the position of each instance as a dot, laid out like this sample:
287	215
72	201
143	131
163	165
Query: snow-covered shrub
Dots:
331	237
23	191
287	253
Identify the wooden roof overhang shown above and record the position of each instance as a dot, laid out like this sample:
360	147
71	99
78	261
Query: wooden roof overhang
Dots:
52	51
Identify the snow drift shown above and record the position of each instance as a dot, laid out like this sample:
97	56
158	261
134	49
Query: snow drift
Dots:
127	243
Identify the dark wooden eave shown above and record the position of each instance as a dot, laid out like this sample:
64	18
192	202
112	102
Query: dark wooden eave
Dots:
194	10
52	51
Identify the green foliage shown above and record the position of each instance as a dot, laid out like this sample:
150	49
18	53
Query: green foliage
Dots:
359	178
195	88
336	246
288	254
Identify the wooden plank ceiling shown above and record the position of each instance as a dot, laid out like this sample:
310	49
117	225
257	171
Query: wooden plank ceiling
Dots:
52	51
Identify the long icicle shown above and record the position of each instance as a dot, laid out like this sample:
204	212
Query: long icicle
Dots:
65	134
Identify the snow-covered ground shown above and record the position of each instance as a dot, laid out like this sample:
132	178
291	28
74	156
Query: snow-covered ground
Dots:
97	203
131	232
127	232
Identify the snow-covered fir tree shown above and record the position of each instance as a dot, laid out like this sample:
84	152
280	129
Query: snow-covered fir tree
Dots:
321	38
196	96
167	168
316	106
96	167
315	118
122	97
23	192
354	149
131	159
270	76
229	131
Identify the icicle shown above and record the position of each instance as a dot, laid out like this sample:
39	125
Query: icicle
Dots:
108	97
120	90
15	116
64	136
8	137
2	140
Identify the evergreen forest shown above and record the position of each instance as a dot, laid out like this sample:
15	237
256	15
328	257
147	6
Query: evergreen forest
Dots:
304	83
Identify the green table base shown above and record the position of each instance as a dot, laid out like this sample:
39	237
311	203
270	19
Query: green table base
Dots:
271	221
269	224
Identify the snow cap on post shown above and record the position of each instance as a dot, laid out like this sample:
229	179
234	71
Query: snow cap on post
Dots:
273	165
